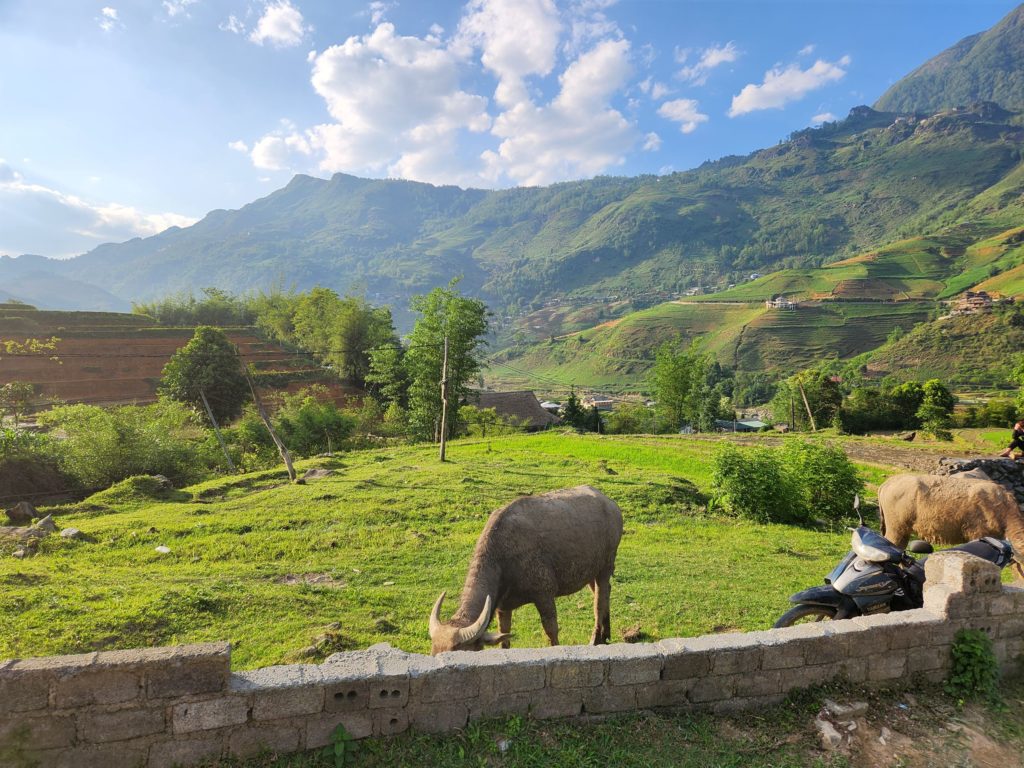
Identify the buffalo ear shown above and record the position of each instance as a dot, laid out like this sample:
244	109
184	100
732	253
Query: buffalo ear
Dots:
493	638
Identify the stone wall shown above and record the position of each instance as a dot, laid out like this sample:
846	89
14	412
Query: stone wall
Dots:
180	706
1007	472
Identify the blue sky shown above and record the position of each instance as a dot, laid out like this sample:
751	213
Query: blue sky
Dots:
121	117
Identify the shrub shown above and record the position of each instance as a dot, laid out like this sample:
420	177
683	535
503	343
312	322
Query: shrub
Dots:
104	445
798	483
752	483
309	426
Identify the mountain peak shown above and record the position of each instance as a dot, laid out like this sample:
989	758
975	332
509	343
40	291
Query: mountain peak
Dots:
988	66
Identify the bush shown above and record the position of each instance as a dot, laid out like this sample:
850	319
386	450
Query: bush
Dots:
308	425
752	483
975	669
104	445
798	483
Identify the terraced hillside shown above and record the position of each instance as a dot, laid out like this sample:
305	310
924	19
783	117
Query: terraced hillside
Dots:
113	358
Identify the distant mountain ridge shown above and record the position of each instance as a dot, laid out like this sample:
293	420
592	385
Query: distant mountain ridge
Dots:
988	66
824	194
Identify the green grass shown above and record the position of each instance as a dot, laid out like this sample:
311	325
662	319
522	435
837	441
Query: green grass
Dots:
366	552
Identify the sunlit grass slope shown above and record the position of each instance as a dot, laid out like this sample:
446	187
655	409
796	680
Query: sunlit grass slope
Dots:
359	557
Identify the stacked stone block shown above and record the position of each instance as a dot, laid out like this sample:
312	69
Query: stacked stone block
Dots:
180	706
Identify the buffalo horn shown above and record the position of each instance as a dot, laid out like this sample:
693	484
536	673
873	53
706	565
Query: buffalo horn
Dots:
435	616
472	632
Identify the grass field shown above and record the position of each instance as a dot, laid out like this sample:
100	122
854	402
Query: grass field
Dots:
359	557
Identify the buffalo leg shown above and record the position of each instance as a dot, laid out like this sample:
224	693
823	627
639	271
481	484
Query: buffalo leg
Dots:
602	614
505	626
548	618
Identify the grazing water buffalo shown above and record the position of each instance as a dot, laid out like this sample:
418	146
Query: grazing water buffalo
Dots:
948	510
532	551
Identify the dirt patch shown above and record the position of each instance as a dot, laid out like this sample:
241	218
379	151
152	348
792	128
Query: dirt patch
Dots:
312	579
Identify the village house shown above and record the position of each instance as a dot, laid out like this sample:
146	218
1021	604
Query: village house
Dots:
973	303
780	302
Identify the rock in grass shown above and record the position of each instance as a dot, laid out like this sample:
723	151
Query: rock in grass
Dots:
163	550
830	737
21	513
72	533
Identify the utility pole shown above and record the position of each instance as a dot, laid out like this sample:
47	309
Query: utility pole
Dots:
444	399
281	449
807	405
216	431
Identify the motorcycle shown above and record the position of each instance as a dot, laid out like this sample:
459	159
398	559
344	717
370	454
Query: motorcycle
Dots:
876	576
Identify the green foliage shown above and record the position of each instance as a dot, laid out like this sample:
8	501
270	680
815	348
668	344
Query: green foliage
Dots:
481	422
936	411
341	749
631	419
443	312
975	670
823	395
216	307
679	381
754	484
16	399
101	446
798	483
573	413
387	375
208	365
309	424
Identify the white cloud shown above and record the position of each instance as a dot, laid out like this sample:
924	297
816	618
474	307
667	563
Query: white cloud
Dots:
697	73
578	134
517	39
378	10
109	20
281	25
233	24
652	142
39	218
178	7
238	146
685	112
782	86
588	23
657	91
807	50
398	106
824	117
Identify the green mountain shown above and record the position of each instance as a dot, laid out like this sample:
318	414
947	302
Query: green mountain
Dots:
988	66
824	194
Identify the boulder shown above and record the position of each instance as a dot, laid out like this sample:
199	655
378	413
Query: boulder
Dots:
21	513
72	533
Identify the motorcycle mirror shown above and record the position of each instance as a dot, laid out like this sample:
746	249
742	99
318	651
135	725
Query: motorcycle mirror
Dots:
856	508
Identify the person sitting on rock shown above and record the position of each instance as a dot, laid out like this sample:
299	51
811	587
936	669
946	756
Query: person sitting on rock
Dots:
1016	440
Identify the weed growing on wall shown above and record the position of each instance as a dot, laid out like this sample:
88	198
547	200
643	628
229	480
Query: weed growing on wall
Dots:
975	672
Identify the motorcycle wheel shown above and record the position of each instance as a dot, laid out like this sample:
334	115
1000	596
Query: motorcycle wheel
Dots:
802	614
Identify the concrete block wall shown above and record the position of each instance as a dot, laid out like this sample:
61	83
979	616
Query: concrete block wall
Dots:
182	705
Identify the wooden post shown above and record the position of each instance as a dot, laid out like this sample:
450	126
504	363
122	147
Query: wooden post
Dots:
444	399
216	431
281	449
807	405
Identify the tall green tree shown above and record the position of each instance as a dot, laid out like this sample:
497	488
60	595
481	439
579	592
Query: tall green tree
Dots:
679	380
208	364
443	312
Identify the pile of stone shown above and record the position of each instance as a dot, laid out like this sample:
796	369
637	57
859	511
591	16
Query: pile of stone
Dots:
1007	472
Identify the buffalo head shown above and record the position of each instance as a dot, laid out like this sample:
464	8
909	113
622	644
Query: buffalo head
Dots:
445	636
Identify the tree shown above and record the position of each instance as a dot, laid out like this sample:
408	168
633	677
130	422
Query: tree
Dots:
936	411
387	377
16	400
444	312
573	413
679	382
209	364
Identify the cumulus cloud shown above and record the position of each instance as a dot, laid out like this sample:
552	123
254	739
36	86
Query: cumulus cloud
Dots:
823	117
232	24
652	142
578	134
784	85
398	105
378	10
685	112
38	218
657	91
238	146
697	73
175	8
281	25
